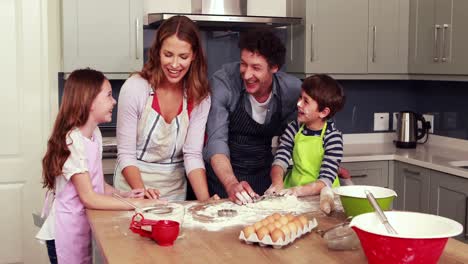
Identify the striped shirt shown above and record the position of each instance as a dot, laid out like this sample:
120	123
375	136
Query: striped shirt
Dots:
332	144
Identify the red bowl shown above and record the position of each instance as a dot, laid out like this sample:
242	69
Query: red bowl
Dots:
165	232
421	237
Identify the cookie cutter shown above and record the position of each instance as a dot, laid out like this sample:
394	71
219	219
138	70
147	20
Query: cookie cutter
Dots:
227	212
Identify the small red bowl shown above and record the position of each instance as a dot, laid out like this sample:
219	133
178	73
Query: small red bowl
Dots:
165	232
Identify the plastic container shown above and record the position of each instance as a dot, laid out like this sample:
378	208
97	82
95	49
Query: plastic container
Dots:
267	241
355	202
341	237
421	237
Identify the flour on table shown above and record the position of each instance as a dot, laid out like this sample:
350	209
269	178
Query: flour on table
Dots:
247	214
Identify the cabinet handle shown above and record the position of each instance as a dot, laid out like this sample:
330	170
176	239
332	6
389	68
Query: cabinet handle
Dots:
137	38
312	30
358	175
436	45
412	172
466	217
374	36
444	39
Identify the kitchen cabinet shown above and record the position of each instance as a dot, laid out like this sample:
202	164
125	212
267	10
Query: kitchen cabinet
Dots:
374	173
438	38
106	35
370	39
388	36
412	186
449	198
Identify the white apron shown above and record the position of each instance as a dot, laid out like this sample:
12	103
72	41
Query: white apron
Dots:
159	152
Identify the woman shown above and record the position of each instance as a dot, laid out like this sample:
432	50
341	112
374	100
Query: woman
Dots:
162	116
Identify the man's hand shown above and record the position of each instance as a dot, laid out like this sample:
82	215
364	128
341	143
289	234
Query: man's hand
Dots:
241	193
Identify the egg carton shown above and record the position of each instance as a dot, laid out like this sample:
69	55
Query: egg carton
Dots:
267	241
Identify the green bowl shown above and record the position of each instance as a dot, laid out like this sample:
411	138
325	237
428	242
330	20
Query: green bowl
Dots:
355	202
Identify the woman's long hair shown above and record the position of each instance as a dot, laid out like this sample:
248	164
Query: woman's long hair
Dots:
81	87
196	78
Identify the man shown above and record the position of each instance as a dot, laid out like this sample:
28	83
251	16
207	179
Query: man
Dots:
251	103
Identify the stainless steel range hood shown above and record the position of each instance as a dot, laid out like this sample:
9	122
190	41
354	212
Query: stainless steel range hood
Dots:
225	15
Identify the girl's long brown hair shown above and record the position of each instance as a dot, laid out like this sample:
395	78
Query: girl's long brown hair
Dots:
81	87
196	78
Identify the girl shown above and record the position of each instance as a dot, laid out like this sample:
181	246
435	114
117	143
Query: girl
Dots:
72	167
162	115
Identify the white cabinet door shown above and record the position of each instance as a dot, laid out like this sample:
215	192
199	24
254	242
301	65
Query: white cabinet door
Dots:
105	35
388	36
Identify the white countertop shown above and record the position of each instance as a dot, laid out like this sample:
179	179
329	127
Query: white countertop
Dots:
436	154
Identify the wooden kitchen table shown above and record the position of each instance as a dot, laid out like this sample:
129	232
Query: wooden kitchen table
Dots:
119	245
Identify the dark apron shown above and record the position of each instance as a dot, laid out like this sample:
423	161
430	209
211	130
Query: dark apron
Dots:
250	150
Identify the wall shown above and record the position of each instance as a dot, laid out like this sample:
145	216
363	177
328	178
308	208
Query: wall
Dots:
445	100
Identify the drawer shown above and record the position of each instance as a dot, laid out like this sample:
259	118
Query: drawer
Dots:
368	172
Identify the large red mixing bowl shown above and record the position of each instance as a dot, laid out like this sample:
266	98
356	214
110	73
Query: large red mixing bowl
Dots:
421	237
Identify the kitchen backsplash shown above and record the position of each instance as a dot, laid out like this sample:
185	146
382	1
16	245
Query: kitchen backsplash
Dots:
446	100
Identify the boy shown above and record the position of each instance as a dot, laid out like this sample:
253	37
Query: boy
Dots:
312	141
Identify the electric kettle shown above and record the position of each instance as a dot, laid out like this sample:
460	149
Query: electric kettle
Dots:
407	130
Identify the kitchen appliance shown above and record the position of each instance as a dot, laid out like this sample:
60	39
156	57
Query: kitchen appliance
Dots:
223	15
407	130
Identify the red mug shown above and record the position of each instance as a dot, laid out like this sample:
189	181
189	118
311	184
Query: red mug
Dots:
164	232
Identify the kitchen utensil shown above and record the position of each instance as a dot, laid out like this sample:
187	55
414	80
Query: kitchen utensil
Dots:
267	197
227	212
164	232
355	202
380	213
120	198
407	129
157	209
421	237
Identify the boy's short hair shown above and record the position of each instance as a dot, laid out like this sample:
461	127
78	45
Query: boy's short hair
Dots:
326	91
265	43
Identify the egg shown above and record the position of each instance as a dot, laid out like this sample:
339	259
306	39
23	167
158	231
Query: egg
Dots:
265	222
248	230
271	227
293	228
298	224
304	220
276	235
283	220
276	216
262	232
290	217
258	225
271	219
277	224
286	231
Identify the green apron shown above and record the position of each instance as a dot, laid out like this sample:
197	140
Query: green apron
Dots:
307	157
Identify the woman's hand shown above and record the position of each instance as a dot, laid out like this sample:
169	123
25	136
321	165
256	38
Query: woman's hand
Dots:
135	193
151	193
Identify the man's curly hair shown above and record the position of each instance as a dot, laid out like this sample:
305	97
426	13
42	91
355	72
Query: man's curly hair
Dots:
265	43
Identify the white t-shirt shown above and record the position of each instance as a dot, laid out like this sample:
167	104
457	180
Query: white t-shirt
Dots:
259	110
76	163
